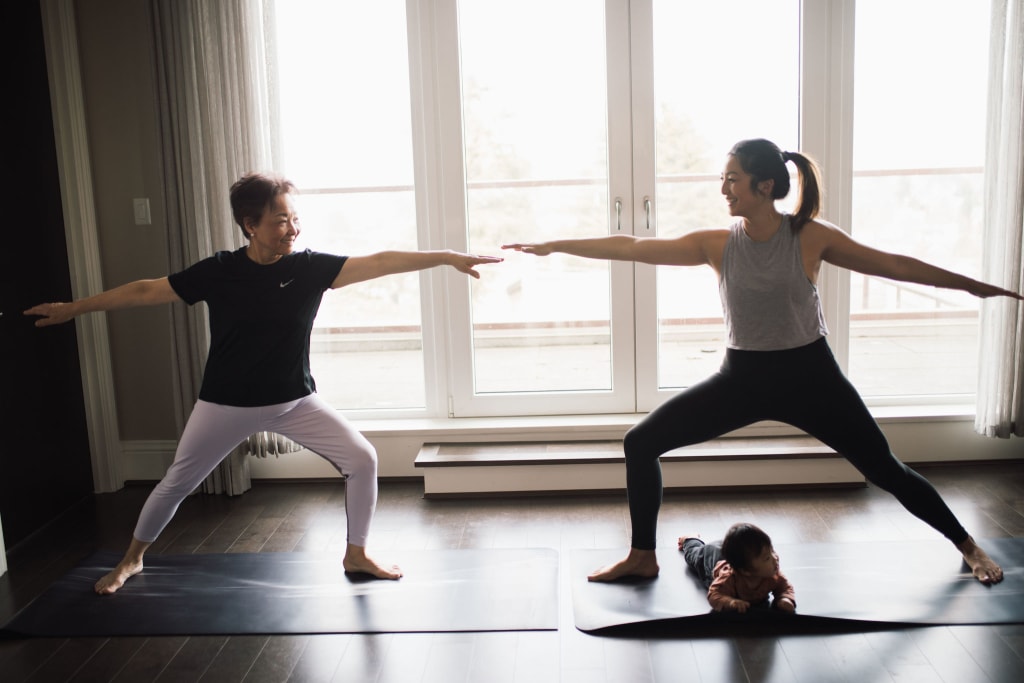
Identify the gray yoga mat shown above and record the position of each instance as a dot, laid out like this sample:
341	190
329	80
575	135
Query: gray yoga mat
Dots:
279	593
896	583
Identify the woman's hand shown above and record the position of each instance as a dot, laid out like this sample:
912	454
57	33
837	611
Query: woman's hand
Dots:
464	263
985	290
52	314
536	248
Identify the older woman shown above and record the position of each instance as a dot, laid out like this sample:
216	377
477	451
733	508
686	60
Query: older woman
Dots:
262	300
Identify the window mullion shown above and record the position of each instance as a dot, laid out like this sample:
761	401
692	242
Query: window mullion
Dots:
643	190
442	189
427	163
826	134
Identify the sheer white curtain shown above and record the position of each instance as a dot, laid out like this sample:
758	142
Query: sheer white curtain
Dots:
1001	380
215	110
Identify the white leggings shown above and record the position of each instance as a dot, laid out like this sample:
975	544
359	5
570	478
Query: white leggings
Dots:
214	430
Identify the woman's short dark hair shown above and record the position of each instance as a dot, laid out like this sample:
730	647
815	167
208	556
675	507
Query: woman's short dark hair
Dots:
253	193
763	160
744	543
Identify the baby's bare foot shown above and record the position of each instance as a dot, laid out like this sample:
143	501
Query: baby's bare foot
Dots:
683	539
638	563
113	581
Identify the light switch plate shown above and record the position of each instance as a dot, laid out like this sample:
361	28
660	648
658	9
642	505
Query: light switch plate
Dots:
142	216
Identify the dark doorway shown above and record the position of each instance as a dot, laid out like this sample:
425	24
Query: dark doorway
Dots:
45	465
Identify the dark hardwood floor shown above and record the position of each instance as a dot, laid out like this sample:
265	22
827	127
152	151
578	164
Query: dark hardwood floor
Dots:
989	499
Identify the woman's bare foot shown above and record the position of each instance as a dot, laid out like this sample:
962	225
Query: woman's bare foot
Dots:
358	562
129	566
638	563
984	567
113	581
687	537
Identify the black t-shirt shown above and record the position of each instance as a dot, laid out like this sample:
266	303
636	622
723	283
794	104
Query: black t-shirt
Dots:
261	317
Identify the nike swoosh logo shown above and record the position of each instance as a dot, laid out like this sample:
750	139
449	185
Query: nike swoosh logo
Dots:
285	284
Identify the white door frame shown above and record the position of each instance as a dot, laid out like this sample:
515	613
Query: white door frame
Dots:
70	136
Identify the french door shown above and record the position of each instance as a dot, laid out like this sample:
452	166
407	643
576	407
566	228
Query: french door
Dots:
582	119
467	124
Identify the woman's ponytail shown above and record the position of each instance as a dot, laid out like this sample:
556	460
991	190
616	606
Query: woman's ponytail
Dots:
763	160
808	203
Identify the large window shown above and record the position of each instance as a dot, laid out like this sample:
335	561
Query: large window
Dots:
464	124
704	85
536	163
918	153
345	138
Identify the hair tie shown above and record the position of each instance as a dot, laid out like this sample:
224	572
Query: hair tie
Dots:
785	157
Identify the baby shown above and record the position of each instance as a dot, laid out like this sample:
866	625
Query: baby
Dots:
740	571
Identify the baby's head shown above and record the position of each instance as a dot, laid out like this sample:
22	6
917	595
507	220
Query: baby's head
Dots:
749	550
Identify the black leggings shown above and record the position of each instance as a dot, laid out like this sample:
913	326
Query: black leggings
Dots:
803	387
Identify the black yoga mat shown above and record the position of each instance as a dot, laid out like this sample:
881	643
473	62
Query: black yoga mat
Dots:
905	583
279	593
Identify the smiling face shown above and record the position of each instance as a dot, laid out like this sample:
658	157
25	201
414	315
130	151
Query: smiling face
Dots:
274	235
742	199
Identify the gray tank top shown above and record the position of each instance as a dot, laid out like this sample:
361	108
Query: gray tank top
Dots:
768	301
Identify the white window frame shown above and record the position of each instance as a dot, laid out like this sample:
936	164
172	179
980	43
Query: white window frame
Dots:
826	133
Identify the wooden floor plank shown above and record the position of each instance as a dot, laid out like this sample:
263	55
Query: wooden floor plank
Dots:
810	660
255	536
537	657
673	660
854	656
991	652
493	657
277	659
719	660
364	658
947	655
234	661
1013	636
22	658
109	660
406	659
449	658
901	657
71	658
192	659
319	661
764	660
627	659
150	660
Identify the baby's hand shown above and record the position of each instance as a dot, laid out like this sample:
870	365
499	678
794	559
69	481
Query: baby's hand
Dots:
785	604
739	605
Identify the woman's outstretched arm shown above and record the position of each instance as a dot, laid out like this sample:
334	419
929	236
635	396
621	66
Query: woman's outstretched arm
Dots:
362	268
692	249
839	249
132	294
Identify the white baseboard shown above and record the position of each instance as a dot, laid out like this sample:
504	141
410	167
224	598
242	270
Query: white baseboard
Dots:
949	438
146	460
605	477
